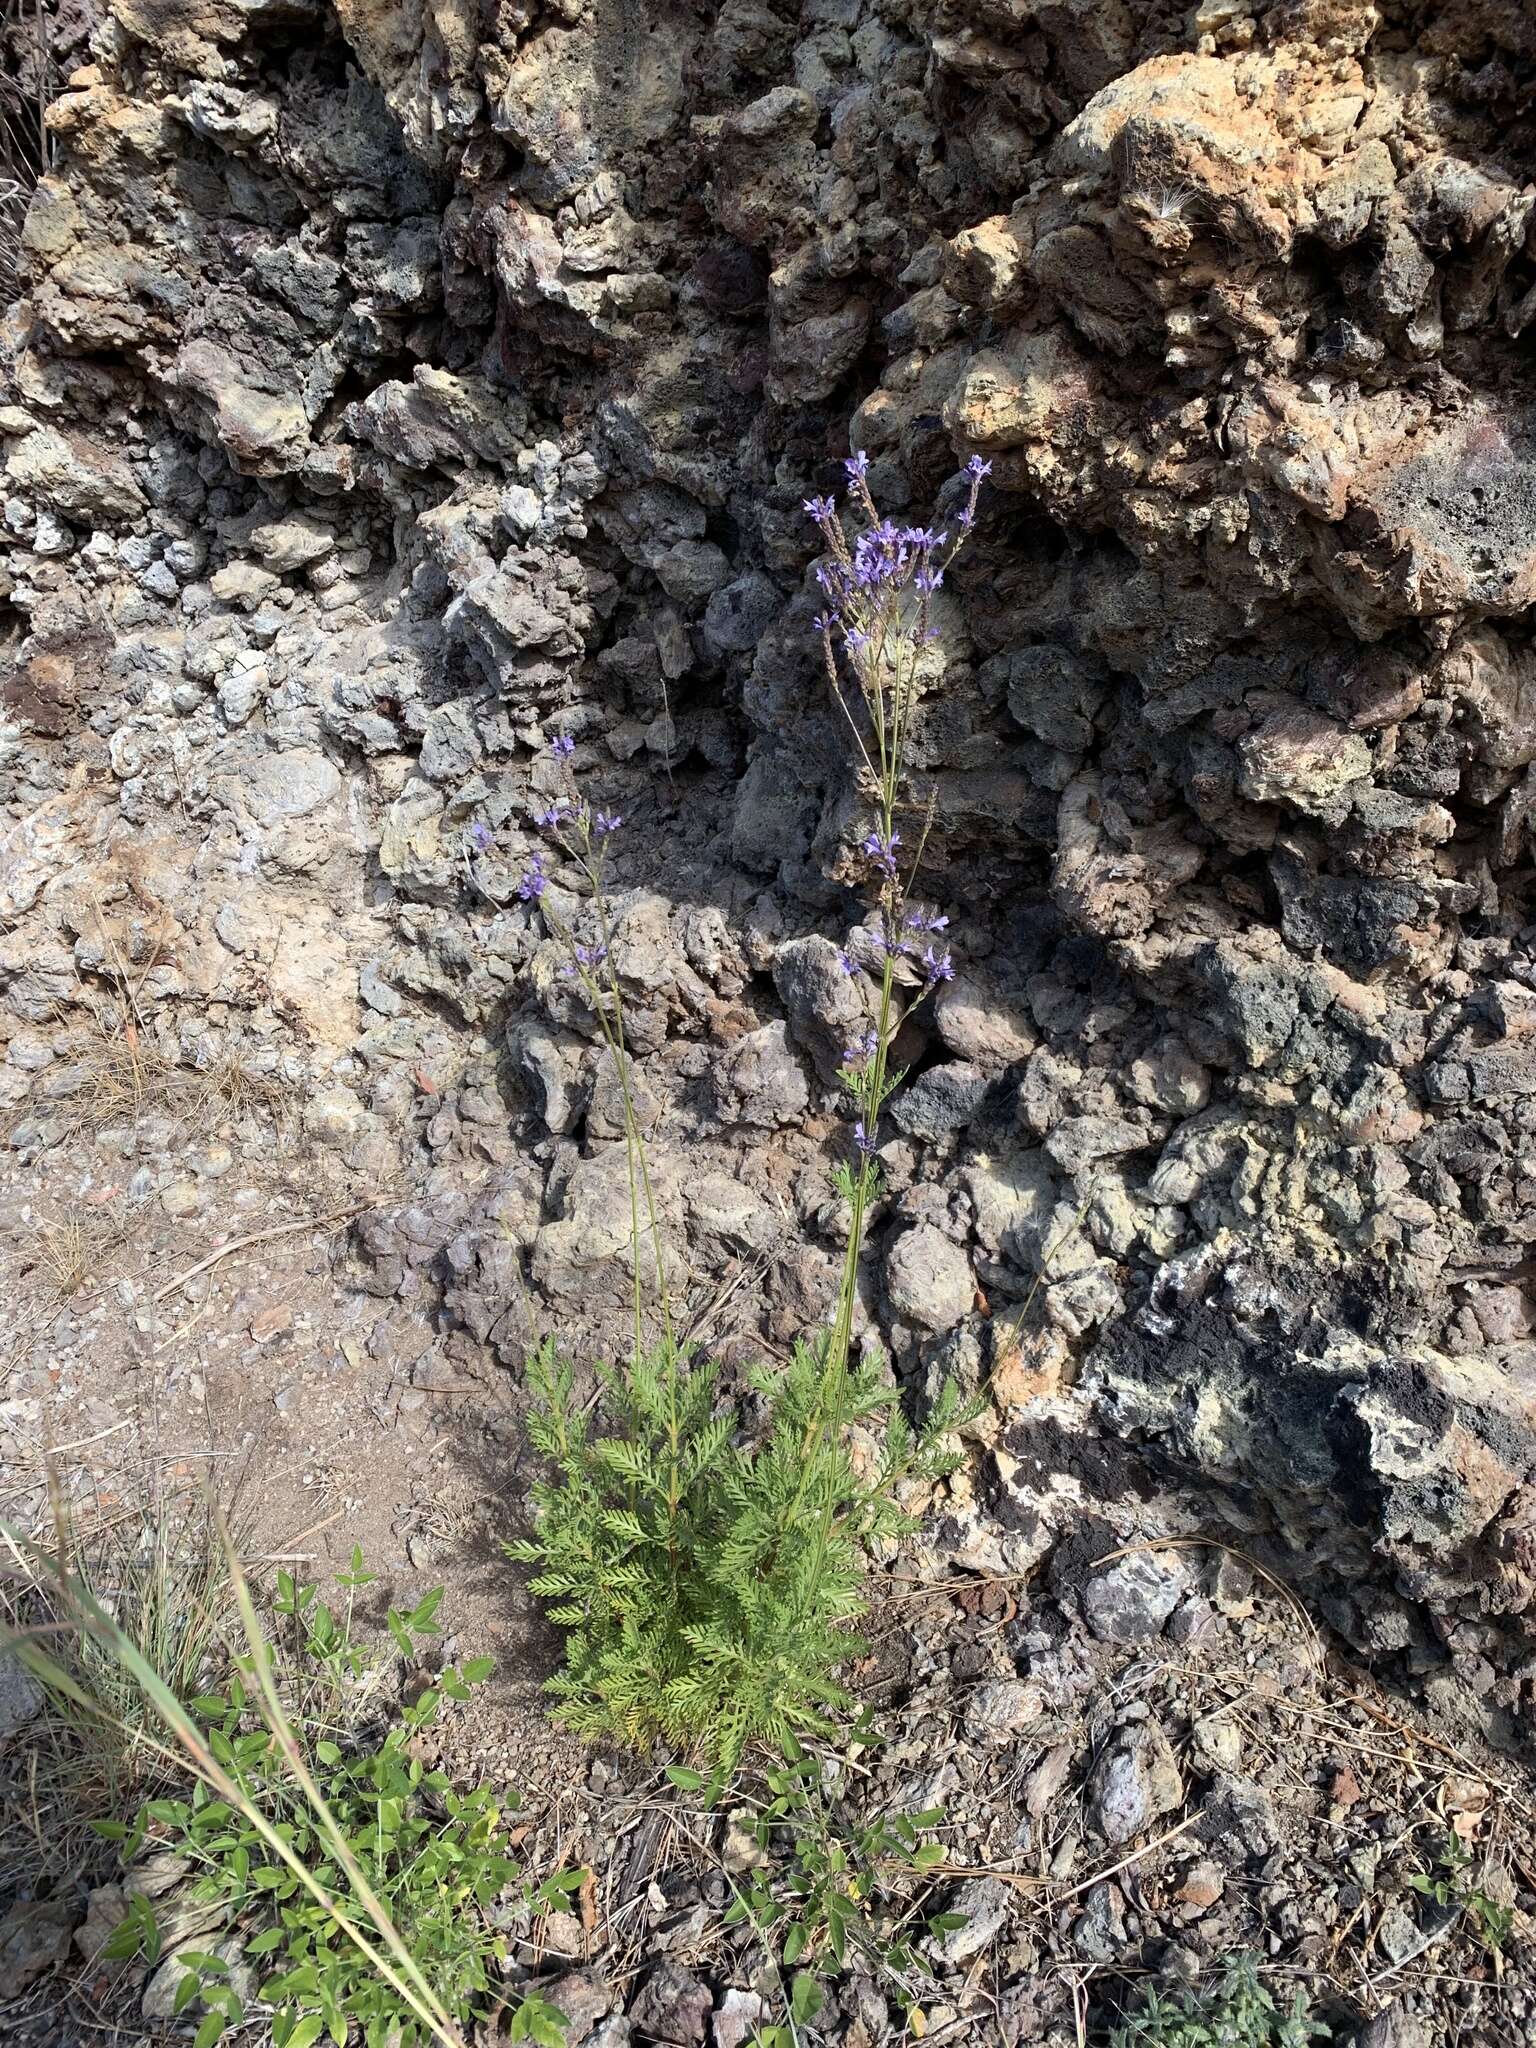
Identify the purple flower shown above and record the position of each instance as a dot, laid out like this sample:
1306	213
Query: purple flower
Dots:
864	1049
588	957
927	581
919	921
479	838
563	747
855	637
976	469
857	466
604	822
937	967
820	509
864	1139
533	881
846	961
556	814
882	851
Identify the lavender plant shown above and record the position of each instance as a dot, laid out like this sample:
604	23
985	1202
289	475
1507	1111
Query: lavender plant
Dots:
708	1577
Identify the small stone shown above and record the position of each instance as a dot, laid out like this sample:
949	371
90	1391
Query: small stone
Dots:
946	1098
672	2007
334	1116
242	584
183	1198
738	615
1398	1936
984	1023
160	1993
1047	1779
33	1939
1216	1743
1167	1076
998	1712
1134	1783
928	1279
739	2019
1130	1600
288	544
1202	1887
1099	1932
983	1902
273	1321
584	1997
521	509
741	1850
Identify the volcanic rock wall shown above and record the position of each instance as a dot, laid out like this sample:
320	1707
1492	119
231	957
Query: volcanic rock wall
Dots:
401	385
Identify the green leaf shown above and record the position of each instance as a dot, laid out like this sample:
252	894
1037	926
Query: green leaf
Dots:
476	1670
804	1999
210	2031
307	2032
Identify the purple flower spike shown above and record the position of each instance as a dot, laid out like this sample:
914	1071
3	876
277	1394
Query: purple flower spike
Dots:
857	466
937	967
563	747
977	469
864	1139
863	1050
556	814
479	838
604	822
927	581
846	961
591	956
819	509
533	881
882	852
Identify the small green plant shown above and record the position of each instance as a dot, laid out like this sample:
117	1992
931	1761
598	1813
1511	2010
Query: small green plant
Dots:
707	1585
1451	1884
435	1859
708	1573
1238	2011
364	1877
848	1889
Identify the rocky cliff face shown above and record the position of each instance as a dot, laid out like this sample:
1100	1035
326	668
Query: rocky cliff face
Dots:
396	386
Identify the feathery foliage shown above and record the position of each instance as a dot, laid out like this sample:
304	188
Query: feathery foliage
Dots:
707	1582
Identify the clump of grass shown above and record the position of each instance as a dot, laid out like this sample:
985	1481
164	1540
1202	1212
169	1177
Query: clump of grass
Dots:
70	1247
706	1572
160	1572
